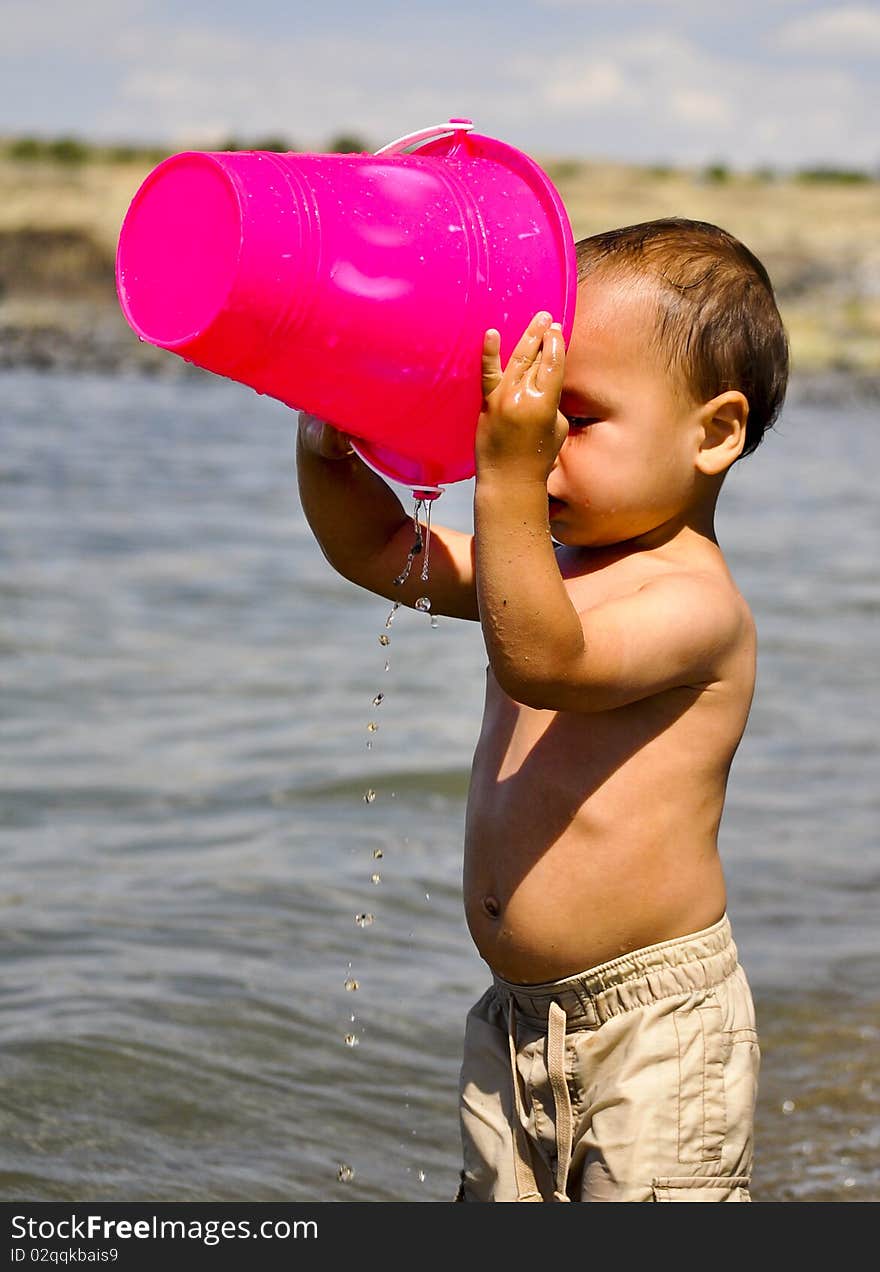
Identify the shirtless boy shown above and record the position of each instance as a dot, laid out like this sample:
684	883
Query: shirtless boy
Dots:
614	1056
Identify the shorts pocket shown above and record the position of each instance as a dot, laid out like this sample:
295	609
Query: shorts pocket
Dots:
702	1188
702	1114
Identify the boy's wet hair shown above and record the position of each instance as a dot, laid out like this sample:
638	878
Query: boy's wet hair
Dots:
719	327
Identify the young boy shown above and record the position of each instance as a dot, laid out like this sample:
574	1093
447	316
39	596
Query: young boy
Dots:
614	1057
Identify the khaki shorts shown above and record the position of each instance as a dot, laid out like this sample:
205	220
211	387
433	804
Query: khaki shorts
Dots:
634	1081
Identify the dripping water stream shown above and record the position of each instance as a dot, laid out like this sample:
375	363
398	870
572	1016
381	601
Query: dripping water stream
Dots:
421	546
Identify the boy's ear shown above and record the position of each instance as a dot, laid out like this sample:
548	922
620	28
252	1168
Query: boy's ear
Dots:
723	423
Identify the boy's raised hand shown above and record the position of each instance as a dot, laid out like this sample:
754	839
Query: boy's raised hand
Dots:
521	428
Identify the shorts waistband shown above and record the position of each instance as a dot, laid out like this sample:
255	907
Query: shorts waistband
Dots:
697	961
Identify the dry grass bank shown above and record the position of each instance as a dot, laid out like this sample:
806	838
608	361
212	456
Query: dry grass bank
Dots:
819	240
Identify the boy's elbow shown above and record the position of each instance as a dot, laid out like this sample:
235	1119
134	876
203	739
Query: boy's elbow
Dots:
543	689
531	685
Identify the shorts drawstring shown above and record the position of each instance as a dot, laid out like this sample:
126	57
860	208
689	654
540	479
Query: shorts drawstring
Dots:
561	1098
526	1185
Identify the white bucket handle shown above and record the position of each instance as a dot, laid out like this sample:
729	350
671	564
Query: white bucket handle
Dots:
425	134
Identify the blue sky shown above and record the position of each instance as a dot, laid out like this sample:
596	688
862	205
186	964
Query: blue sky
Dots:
748	82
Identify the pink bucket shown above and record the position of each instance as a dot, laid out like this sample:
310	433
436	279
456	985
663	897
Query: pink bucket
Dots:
355	287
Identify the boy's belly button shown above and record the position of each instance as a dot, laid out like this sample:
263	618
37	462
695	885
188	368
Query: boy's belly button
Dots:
492	906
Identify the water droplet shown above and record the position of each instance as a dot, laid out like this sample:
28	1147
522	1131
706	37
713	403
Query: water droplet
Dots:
352	1040
394	608
421	1176
369	796
387	664
378	854
385	640
363	920
427	896
788	1106
435	623
351	985
375	878
344	1174
849	1182
423	604
372	727
416	548
378	698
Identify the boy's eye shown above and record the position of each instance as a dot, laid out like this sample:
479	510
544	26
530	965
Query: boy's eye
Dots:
581	421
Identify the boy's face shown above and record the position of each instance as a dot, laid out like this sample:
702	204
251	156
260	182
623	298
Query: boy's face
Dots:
627	465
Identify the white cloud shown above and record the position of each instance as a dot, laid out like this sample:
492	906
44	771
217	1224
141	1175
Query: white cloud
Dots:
848	30
85	30
660	95
304	89
675	8
590	86
701	108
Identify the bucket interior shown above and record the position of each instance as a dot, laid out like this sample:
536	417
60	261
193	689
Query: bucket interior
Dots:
179	250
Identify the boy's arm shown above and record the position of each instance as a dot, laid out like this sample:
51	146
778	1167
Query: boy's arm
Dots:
544	653
365	533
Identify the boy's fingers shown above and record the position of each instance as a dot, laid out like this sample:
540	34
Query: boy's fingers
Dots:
551	365
529	345
491	361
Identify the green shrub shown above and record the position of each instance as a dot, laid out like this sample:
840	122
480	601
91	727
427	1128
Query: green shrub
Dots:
67	150
837	176
27	148
122	154
274	142
348	144
277	144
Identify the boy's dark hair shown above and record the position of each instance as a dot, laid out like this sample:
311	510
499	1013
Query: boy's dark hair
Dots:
719	326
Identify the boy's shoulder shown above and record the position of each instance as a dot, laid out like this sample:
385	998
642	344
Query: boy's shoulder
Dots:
681	584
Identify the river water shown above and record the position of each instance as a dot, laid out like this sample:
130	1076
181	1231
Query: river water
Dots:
186	843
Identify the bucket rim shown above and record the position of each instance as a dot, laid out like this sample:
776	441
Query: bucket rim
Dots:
479	145
208	158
